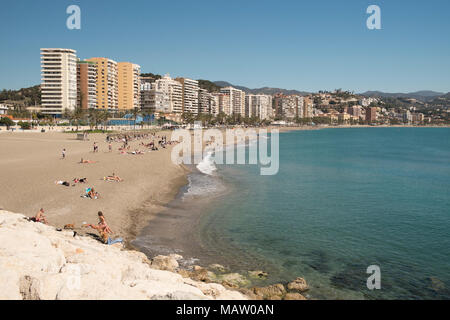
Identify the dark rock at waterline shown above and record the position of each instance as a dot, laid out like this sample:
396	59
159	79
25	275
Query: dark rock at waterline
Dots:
259	274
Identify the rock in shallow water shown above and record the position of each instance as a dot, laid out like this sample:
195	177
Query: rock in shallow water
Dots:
235	279
270	292
164	263
294	296
298	284
259	274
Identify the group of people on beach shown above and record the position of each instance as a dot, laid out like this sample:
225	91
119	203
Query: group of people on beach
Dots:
156	142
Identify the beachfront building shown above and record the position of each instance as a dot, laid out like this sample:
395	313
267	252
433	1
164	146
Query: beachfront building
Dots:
289	106
107	83
164	95
223	101
308	106
190	95
146	79
86	84
154	99
355	111
208	103
371	114
129	85
407	117
205	100
236	101
58	80
258	105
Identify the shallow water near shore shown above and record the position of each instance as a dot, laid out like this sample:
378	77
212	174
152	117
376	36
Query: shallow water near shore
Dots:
344	199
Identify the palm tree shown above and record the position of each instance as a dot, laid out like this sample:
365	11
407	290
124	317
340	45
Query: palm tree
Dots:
135	112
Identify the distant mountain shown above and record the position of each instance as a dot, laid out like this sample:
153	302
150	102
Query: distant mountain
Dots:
424	95
265	90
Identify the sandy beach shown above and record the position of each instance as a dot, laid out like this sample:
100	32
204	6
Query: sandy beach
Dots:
30	163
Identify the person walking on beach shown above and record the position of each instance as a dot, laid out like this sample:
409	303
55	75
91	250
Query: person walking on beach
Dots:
63	154
110	147
95	147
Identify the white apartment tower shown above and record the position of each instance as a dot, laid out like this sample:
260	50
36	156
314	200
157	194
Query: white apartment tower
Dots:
58	80
237	101
165	95
258	105
190	95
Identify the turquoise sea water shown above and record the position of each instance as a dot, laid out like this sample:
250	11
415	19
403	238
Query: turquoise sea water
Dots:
344	199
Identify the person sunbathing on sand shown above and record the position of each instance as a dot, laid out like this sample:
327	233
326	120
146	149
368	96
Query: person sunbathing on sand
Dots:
64	183
81	180
90	193
113	177
87	161
40	217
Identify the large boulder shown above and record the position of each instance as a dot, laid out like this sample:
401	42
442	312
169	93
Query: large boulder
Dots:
258	274
39	262
217	267
235	279
298	284
270	292
202	274
294	296
164	263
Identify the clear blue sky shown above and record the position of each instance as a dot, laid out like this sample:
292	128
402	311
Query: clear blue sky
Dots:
304	45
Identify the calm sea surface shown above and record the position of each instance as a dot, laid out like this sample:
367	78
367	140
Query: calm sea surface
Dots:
344	199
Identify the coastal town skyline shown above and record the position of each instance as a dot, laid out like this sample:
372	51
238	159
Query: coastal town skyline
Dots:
251	53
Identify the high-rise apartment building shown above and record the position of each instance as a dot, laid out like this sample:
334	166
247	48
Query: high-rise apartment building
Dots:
355	111
164	95
129	85
308	104
86	85
223	101
237	101
58	80
204	101
289	106
208	103
258	105
190	95
371	114
107	83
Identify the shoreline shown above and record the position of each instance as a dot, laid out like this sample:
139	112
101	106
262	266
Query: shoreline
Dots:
149	193
31	163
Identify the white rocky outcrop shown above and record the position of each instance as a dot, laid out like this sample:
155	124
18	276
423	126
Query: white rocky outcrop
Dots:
38	262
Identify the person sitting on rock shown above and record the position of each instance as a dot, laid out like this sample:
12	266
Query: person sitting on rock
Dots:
102	223
40	217
104	230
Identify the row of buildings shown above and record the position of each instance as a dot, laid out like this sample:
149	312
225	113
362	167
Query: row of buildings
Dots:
102	83
68	82
179	95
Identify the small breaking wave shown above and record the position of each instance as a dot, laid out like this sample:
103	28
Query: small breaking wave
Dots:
207	165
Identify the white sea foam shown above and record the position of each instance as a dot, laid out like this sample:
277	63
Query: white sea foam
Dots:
207	165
